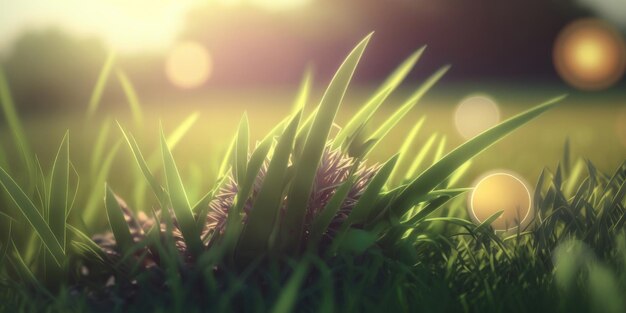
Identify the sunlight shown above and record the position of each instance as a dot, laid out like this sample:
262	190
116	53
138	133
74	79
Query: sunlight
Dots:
188	65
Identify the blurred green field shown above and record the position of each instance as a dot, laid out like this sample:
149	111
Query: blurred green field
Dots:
592	129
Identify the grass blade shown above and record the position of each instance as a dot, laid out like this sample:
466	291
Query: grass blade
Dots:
96	95
404	152
439	171
303	92
307	163
256	233
421	155
59	191
368	110
119	226
289	294
391	122
241	153
324	218
33	216
131	96
179	201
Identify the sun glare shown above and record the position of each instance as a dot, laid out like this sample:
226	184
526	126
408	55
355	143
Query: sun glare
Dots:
475	114
590	55
501	191
188	65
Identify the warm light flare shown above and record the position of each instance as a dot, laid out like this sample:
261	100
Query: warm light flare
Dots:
501	192
589	54
476	114
188	65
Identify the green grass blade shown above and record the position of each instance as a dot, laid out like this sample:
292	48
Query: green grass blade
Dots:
119	226
256	233
287	298
393	120
241	153
59	191
33	216
487	223
303	92
179	201
96	95
25	272
421	156
88	242
394	177
439	171
368	110
367	201
227	157
92	207
99	146
174	138
440	149
324	218
15	126
307	163
131	97
5	247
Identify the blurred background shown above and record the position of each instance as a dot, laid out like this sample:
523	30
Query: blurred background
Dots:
221	58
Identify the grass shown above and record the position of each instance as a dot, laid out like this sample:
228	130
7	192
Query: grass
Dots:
299	221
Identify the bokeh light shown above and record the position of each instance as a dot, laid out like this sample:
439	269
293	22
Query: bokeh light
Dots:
475	114
501	191
188	65
589	54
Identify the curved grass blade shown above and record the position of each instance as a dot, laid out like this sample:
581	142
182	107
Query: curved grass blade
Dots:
33	216
324	218
119	226
439	171
96	95
87	243
15	126
367	111
306	164
174	138
25	272
179	201
256	233
99	146
59	191
241	152
91	208
288	296
404	152
421	156
303	92
131	96
393	120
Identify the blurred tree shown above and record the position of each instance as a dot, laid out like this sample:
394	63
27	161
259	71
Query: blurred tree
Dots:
49	69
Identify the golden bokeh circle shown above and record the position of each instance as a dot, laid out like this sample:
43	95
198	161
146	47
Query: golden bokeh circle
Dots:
501	191
188	65
475	114
589	54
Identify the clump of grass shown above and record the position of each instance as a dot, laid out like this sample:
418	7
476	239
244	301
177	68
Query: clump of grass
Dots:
301	221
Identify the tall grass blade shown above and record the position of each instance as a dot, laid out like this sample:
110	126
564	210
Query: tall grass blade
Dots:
421	156
391	122
179	201
15	126
33	216
96	95
59	191
256	233
241	153
394	177
383	92
307	163
99	147
119	226
439	171
287	298
131	96
324	218
303	92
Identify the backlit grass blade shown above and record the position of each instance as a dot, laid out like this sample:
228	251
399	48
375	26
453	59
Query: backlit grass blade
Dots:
131	97
303	92
174	138
324	218
307	163
439	171
487	223
289	294
383	92
143	166
93	204
391	122
241	153
15	126
394	177
33	216
440	149
93	247
261	220
59	191
24	271
72	197
96	95
99	146
227	157
367	201
421	156
179	201
119	226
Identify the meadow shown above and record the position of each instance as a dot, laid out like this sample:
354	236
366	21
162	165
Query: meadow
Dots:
243	230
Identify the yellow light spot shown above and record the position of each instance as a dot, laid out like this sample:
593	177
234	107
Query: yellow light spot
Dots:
188	65
475	114
501	192
589	54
